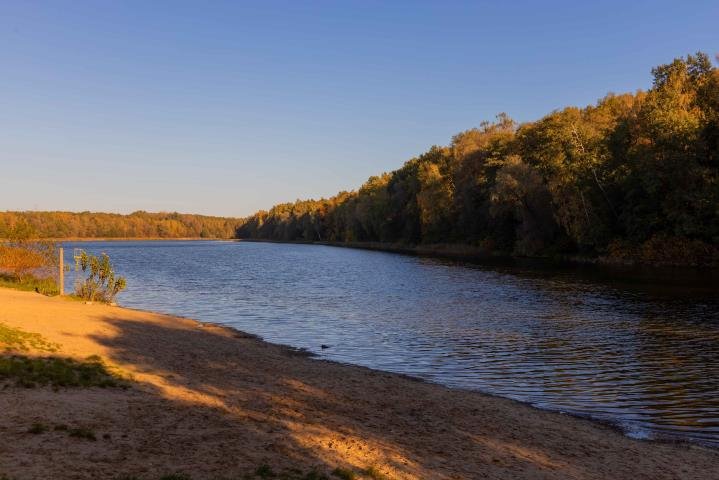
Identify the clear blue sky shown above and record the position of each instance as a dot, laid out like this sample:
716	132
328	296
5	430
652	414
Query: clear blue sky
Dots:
227	107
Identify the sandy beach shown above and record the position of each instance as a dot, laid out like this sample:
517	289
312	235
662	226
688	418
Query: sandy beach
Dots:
211	402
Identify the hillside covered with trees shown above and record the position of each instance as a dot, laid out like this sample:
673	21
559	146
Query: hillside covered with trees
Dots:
633	178
113	225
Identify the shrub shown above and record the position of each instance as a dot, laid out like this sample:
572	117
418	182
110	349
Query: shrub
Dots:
19	261
101	283
22	259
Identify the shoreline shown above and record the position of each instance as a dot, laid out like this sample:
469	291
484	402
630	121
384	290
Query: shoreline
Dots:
212	401
473	254
659	275
309	354
136	239
448	251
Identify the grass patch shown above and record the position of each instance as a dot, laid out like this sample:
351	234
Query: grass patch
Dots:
18	340
374	474
266	472
344	474
315	475
57	372
37	428
73	297
82	433
46	286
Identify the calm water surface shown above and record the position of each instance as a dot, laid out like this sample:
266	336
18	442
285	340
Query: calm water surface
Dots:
638	353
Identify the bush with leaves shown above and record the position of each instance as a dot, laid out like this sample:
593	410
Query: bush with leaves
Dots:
23	256
101	284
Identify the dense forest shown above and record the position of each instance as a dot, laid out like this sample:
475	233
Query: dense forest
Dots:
633	178
112	225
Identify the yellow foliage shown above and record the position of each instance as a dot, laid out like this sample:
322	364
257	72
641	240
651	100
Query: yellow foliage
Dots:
20	261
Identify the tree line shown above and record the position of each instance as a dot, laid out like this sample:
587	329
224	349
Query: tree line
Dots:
634	177
14	225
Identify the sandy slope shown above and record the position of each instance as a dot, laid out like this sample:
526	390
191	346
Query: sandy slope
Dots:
213	402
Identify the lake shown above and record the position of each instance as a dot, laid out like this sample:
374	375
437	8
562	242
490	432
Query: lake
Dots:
637	349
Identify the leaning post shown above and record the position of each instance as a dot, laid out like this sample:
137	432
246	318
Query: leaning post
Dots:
62	272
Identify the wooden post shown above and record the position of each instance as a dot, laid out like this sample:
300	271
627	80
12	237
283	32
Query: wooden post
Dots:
62	272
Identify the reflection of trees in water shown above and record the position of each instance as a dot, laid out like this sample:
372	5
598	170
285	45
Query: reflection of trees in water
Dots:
678	354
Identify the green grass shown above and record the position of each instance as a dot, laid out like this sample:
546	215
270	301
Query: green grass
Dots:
82	433
37	428
57	372
264	471
46	286
344	474
374	474
73	297
261	472
14	339
294	475
314	475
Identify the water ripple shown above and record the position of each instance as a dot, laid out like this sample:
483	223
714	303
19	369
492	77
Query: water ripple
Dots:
643	357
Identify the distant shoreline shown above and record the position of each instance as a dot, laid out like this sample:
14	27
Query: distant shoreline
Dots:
134	239
449	251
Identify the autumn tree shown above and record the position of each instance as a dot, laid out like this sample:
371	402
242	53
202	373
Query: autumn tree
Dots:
635	175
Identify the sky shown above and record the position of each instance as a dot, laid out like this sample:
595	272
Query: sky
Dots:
224	108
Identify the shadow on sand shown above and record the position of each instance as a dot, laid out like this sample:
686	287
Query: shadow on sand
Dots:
212	402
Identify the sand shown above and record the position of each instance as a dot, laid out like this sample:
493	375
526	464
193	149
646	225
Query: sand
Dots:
213	402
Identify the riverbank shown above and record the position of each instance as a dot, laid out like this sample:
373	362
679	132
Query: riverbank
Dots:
213	402
135	239
448	250
474	254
